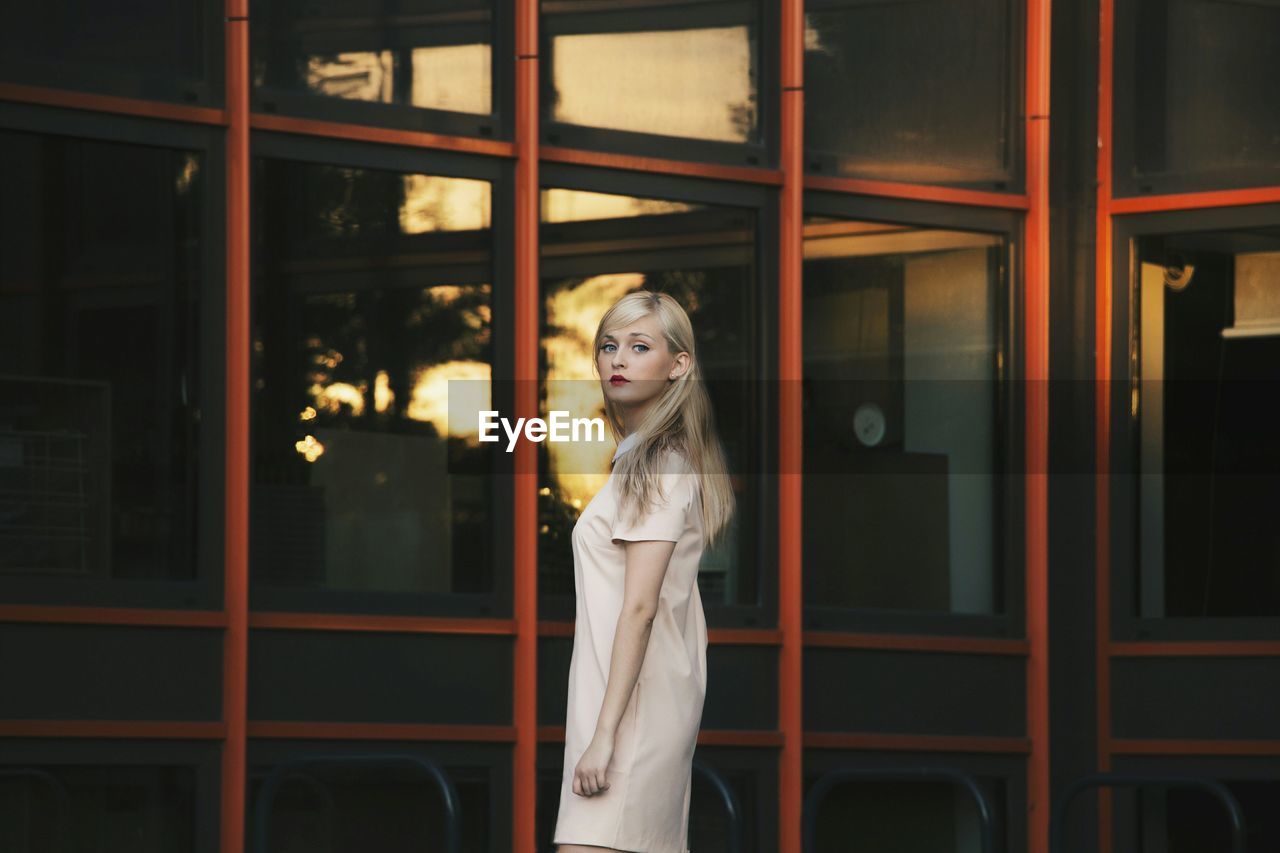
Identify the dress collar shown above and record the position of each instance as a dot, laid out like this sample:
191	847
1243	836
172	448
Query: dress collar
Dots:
626	444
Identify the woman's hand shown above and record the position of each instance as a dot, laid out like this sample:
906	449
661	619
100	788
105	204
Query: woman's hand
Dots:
588	776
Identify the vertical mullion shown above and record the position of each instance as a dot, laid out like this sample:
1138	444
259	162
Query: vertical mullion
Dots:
790	373
1036	375
525	537
235	648
1102	411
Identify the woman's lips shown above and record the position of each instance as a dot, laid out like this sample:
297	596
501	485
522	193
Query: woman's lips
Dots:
617	380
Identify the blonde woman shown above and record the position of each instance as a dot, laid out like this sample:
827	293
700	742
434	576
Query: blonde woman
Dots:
638	672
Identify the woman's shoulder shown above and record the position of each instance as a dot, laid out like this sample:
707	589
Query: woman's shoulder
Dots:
675	461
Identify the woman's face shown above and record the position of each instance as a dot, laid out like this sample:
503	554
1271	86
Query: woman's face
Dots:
636	364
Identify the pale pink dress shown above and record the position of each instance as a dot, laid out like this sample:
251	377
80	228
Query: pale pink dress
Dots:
646	808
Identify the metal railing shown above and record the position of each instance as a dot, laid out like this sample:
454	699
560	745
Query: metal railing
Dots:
299	767
730	800
1125	780
959	777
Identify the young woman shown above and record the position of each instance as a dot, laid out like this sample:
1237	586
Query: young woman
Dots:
638	673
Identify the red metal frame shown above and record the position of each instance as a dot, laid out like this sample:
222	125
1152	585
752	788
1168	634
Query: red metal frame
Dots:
790	638
235	655
1036	371
113	616
791	430
918	192
528	217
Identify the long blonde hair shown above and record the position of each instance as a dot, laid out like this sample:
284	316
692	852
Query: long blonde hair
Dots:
680	419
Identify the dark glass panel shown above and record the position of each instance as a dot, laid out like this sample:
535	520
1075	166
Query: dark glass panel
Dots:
100	336
97	809
1204	410
424	58
362	806
1196	105
1182	820
155	49
902	355
914	90
371	293
904	817
597	248
678	69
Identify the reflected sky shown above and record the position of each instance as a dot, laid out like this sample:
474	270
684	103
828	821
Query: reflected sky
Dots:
694	83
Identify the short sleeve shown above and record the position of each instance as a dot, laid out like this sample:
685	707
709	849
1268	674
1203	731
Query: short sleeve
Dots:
665	519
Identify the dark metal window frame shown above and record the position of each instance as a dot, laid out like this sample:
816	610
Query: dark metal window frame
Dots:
1223	768
498	124
1128	58
1009	621
1014	99
499	173
763	153
1009	769
1126	623
264	754
204	590
118	82
764	612
203	757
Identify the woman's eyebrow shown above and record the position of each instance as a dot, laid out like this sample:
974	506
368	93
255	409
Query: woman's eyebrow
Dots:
633	334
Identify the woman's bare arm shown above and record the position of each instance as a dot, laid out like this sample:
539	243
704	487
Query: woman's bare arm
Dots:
646	565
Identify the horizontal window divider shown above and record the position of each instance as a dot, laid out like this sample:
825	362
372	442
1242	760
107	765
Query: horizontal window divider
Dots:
917	643
137	617
716	636
91	102
918	192
1194	200
1194	648
637	163
706	737
381	135
114	729
387	624
380	731
1177	746
879	742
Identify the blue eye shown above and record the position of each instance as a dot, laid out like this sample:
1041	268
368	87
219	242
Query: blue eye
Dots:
642	345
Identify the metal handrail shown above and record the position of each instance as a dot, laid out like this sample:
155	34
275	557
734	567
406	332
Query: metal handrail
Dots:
965	780
717	780
63	798
1111	780
298	766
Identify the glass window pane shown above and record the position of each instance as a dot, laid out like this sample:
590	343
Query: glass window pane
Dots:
154	49
1205	411
100	335
615	64
901	372
107	809
1196	107
905	817
1186	820
364	806
914	90
432	56
597	248
372	291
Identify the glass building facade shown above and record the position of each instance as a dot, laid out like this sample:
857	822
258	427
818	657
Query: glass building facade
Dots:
987	294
